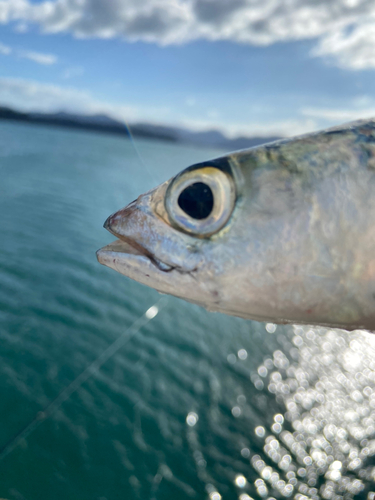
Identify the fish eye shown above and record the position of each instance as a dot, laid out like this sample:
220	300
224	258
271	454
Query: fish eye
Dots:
200	201
197	200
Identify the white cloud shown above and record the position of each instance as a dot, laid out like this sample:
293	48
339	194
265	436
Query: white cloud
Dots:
345	29
38	57
281	128
5	50
30	95
354	50
307	119
340	115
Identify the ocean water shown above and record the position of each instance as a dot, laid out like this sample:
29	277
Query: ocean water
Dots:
109	392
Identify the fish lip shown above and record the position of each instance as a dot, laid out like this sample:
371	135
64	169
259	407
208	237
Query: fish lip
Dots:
140	249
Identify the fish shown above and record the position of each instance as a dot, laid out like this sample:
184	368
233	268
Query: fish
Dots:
279	233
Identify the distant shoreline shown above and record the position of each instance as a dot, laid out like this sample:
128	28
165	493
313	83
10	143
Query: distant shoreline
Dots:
46	119
107	125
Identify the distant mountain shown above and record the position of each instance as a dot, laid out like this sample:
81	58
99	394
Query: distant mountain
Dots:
90	119
106	124
209	138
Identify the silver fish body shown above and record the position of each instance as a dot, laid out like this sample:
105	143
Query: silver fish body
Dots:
283	233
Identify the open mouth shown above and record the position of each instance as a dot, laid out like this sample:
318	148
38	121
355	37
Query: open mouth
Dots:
125	247
120	246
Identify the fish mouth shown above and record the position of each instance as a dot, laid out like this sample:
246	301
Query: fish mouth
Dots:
127	248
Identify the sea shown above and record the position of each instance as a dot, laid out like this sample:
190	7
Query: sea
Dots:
109	390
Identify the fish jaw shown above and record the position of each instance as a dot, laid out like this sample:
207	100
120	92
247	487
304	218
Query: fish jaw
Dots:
109	255
131	262
139	225
147	251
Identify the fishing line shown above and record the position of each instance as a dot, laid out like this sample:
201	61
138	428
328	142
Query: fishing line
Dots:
93	368
143	163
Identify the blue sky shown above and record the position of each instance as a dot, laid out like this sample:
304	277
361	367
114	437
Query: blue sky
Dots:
243	66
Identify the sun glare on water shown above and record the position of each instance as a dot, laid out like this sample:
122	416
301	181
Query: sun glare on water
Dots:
323	445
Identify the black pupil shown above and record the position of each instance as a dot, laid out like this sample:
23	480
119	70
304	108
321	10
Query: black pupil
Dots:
197	200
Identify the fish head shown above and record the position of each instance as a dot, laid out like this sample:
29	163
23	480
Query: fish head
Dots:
217	235
170	237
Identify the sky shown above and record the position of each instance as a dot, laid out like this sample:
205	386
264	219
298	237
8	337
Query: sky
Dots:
253	67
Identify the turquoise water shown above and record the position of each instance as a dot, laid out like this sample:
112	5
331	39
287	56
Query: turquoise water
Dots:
193	404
